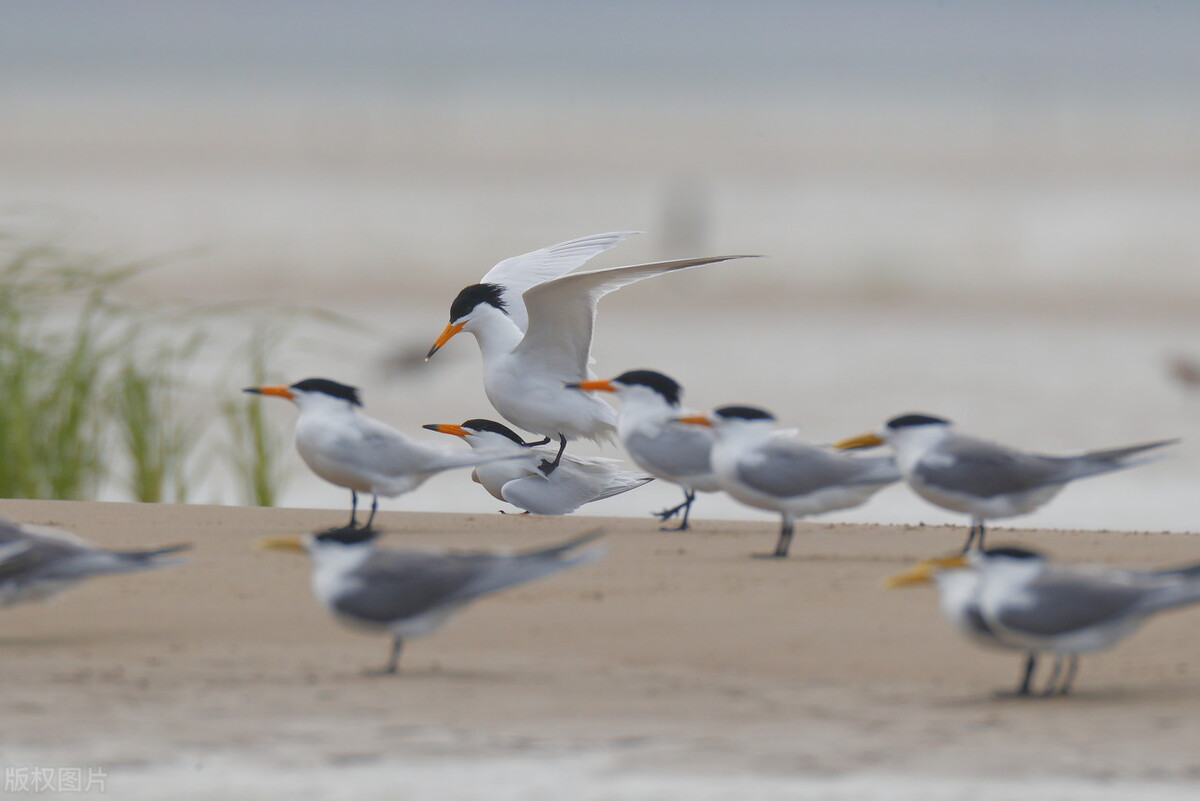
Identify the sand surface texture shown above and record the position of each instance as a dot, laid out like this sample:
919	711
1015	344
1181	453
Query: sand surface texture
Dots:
678	664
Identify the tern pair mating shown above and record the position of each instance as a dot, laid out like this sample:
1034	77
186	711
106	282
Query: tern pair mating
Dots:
1015	599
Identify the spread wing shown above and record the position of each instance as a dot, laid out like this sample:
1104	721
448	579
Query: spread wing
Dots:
519	273
985	469
562	313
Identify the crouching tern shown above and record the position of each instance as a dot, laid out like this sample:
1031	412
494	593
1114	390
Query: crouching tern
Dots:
359	453
765	468
37	562
1016	598
522	483
412	593
984	479
533	320
650	405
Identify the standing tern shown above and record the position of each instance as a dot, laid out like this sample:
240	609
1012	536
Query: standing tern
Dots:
412	593
645	426
984	479
359	453
761	467
533	320
520	481
37	562
1030	604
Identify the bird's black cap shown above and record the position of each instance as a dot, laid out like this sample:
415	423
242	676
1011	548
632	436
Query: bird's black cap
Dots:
743	413
664	385
472	296
909	420
1014	552
481	424
348	535
331	388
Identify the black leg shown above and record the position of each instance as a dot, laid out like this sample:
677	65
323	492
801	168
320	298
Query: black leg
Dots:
543	441
393	664
374	507
982	531
353	509
1054	674
785	540
1026	685
685	507
549	467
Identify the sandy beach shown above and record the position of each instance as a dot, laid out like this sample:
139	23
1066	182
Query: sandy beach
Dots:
676	665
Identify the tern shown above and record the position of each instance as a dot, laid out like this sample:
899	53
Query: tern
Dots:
760	467
412	593
645	425
533	320
37	562
522	483
1028	603
984	479
359	453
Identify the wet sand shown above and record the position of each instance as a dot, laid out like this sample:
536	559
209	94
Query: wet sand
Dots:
678	664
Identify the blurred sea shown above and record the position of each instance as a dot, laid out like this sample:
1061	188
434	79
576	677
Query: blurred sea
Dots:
983	212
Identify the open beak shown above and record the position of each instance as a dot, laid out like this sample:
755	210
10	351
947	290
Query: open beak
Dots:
869	440
283	544
922	572
445	428
693	419
282	392
599	385
447	334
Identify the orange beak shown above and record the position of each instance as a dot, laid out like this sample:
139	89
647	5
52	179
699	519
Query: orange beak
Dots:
694	419
445	428
447	334
861	441
279	391
598	385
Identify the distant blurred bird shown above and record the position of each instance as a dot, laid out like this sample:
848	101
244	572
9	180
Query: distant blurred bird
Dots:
534	322
981	478
520	482
37	562
1015	598
357	452
760	468
413	593
647	429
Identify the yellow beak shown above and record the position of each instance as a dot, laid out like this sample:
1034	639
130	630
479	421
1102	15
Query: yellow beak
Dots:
922	572
283	544
861	441
447	334
447	428
279	391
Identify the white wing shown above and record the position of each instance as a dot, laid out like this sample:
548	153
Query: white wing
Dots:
562	314
519	273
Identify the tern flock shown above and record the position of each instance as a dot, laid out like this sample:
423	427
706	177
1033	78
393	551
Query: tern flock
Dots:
533	317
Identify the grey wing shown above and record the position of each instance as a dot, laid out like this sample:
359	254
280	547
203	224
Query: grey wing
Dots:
675	451
519	273
985	469
377	448
1058	604
395	585
786	468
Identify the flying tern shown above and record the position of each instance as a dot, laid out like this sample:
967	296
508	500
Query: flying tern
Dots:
412	593
1016	598
533	320
761	468
522	483
984	479
359	453
645	425
37	562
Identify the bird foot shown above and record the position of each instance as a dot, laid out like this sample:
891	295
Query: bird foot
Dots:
769	555
547	467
